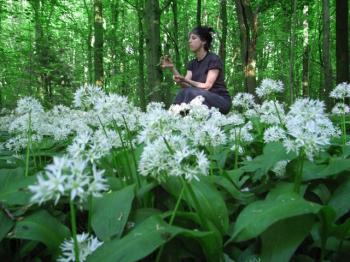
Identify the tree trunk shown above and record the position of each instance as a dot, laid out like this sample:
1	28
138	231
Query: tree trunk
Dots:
306	55
153	48
293	19
199	12
141	60
326	57
88	42
176	34
342	45
98	51
248	24
223	18
114	39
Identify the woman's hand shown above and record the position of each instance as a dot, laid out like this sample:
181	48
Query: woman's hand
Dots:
179	79
165	62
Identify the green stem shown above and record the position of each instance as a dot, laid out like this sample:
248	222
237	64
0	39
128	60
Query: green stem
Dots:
90	213
299	174
172	216
278	113
132	152
29	142
344	124
237	142
74	229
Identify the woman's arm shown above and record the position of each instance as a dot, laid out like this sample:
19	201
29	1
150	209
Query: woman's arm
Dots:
211	78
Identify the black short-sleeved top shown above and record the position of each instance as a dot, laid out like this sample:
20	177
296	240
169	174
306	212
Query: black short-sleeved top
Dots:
200	70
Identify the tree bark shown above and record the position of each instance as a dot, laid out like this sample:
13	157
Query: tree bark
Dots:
223	18
292	51
342	44
306	55
326	57
141	60
248	24
199	12
153	48
88	42
98	50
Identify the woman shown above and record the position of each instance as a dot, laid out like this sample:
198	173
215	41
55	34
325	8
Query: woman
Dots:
205	75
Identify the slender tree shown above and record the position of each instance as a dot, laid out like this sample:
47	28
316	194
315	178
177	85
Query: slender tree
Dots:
98	50
326	57
306	54
223	19
342	41
88	11
199	12
248	25
153	47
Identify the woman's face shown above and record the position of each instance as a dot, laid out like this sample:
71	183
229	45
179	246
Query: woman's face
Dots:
195	43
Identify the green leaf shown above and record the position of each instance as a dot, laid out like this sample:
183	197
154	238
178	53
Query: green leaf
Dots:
280	241
340	200
141	241
42	227
272	153
12	185
335	167
110	213
258	216
5	224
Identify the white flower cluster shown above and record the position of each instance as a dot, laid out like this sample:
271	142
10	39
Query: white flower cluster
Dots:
271	112
86	96
93	145
87	245
269	87
68	177
243	100
308	127
172	156
340	109
341	91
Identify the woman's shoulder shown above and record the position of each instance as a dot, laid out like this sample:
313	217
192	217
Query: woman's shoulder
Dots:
213	56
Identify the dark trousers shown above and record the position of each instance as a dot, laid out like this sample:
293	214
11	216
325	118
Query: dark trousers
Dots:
185	95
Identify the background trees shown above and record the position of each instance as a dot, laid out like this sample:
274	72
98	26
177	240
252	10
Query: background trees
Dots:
48	48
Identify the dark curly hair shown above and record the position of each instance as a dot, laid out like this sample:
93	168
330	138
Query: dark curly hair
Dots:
205	33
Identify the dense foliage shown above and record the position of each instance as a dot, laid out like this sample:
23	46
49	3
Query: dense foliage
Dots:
102	182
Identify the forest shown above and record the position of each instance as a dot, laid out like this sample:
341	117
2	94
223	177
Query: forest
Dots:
98	164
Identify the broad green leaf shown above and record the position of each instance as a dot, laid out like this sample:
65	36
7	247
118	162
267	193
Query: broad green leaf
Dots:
340	200
335	166
272	153
280	240
258	216
110	213
206	195
140	242
5	224
42	227
12	185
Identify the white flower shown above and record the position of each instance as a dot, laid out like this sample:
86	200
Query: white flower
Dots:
172	156
280	168
86	96
271	112
268	87
340	109
341	91
26	105
70	178
273	134
87	245
308	127
243	100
